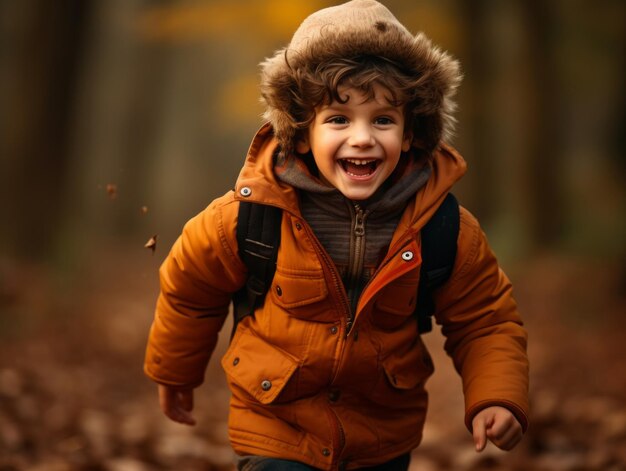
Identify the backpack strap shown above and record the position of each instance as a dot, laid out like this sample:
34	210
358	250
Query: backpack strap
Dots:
258	238
439	242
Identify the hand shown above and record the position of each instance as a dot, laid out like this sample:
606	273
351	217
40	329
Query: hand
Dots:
177	404
497	424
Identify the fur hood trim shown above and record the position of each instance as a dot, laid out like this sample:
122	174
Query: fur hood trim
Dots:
351	30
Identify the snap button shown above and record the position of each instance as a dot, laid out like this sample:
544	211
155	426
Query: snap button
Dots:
236	361
266	385
326	452
407	256
157	359
334	329
298	226
245	191
333	395
279	290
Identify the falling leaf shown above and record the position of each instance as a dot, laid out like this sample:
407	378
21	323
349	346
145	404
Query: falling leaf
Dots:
151	244
144	210
112	190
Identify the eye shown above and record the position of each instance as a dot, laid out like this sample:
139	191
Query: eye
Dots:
383	120
337	120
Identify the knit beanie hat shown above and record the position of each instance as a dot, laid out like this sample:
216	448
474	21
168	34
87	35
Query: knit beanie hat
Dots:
354	30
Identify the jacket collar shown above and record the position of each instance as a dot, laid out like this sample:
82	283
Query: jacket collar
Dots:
257	176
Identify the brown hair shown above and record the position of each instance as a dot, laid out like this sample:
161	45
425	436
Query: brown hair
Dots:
318	86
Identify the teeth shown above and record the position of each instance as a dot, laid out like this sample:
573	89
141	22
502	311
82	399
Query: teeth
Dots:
360	161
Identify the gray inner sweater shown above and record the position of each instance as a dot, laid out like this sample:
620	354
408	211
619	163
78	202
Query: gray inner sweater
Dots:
355	234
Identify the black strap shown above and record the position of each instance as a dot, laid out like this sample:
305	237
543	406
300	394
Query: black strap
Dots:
439	243
258	237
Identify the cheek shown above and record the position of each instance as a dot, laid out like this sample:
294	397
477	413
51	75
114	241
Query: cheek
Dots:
394	146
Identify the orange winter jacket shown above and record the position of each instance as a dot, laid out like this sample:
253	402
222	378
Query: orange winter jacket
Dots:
303	387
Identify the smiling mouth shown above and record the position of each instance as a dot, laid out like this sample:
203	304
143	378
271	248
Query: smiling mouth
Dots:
359	167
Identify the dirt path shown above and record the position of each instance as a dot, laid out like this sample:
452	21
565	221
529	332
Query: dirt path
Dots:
73	396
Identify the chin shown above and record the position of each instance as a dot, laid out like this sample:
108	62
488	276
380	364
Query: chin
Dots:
358	195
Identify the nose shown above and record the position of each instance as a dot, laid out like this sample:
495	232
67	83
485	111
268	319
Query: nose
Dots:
361	135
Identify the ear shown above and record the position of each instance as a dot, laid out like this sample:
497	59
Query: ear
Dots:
302	145
407	141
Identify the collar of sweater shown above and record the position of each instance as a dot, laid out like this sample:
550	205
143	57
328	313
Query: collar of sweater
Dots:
409	176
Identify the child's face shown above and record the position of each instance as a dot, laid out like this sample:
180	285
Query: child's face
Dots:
357	145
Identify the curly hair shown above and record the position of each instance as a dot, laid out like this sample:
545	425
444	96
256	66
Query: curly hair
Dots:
320	86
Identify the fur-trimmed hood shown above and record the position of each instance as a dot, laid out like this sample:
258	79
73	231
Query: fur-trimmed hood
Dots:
355	29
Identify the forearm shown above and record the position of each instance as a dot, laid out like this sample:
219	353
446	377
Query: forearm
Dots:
197	280
484	333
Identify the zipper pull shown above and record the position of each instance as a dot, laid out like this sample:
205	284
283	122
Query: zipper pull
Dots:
359	221
349	326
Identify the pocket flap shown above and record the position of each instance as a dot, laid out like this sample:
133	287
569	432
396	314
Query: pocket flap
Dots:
291	289
407	370
400	296
258	367
400	379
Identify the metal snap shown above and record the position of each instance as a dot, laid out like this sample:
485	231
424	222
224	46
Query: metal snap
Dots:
245	191
279	290
236	361
266	385
407	256
334	329
326	452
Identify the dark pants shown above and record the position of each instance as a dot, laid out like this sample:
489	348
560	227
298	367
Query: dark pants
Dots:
260	463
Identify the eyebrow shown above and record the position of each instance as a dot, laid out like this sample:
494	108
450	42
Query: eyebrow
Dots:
336	106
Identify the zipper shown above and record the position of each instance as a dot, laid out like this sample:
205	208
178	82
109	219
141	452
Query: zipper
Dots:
357	258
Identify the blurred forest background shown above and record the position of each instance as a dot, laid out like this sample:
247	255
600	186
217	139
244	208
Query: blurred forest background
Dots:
121	119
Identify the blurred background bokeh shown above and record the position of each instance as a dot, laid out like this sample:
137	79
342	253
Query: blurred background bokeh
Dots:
121	119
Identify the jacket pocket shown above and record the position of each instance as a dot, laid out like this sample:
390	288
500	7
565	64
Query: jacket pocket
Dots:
409	368
396	302
402	375
258	368
301	294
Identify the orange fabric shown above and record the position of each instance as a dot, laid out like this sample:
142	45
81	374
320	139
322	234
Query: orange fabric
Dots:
302	389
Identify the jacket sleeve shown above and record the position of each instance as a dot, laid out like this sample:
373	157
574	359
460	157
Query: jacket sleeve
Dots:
484	332
197	280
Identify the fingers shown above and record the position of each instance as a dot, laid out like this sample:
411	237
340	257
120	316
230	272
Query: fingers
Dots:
177	404
498	425
186	400
480	432
505	433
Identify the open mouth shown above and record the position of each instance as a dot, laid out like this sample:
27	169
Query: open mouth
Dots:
359	167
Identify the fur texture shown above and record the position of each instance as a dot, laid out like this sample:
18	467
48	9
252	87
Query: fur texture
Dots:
355	29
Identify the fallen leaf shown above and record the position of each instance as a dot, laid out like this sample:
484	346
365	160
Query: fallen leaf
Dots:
151	244
112	190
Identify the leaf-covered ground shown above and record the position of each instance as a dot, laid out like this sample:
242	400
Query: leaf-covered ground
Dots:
73	396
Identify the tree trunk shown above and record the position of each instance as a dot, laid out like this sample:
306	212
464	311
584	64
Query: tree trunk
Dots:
41	58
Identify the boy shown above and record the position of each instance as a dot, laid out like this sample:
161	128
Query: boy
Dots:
329	372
